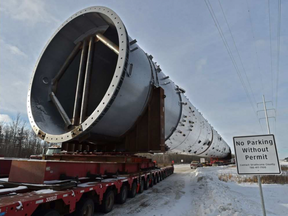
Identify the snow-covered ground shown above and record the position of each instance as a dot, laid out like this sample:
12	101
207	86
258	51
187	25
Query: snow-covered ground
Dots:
200	192
285	163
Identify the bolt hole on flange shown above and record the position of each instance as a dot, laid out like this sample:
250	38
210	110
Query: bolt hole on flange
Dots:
45	80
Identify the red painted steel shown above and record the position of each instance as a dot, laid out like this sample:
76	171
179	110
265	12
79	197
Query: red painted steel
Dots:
39	171
5	164
25	204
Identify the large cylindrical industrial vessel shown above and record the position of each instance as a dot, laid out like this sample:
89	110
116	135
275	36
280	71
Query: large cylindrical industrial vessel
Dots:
93	78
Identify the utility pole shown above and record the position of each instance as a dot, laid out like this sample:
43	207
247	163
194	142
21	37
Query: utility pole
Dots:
266	115
258	176
268	132
265	110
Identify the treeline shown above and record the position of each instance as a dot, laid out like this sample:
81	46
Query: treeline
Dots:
17	139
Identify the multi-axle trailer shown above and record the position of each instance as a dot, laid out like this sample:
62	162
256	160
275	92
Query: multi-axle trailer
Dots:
79	195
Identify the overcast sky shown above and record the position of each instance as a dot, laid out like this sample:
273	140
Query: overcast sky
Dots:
184	40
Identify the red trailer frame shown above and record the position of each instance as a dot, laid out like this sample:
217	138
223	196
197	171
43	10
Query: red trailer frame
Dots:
38	202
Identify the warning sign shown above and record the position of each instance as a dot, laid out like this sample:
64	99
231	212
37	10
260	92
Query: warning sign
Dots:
256	155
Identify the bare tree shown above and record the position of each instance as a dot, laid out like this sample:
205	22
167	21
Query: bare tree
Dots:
17	139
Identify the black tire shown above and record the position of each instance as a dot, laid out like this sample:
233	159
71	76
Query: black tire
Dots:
146	185
108	201
155	179
84	207
141	188
46	212
132	193
122	196
152	181
159	178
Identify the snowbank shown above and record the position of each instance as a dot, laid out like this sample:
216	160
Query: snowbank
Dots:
231	198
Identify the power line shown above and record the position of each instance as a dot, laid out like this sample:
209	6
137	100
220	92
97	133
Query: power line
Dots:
278	57
210	8
272	78
228	49
257	58
237	51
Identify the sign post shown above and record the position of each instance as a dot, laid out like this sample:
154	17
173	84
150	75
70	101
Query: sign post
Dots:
261	195
257	155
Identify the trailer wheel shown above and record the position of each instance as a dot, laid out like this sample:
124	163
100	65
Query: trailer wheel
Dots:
146	185
122	196
133	191
46	212
85	207
155	179
141	188
108	201
152	181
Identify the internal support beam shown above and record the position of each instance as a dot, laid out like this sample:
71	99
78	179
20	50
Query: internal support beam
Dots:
60	110
79	87
87	80
108	43
66	64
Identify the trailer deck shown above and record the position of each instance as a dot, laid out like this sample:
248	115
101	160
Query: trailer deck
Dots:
29	199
